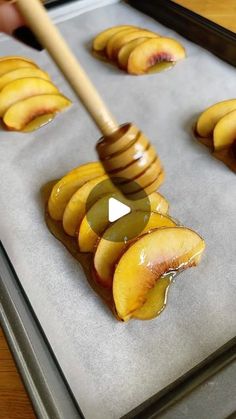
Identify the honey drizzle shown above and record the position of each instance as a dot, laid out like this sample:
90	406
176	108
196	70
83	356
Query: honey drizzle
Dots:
156	68
226	155
159	67
39	122
161	289
86	261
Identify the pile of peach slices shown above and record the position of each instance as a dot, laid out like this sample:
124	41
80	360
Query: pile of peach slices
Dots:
28	98
216	128
137	50
131	275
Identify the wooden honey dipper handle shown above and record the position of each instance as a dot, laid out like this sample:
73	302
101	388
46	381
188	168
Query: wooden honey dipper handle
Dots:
125	152
40	23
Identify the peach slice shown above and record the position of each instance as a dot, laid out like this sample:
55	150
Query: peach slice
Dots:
96	220
23	112
100	42
158	203
76	207
112	41
122	38
224	134
38	121
22	73
110	248
152	52
21	89
69	184
125	51
209	118
16	57
145	261
156	299
12	63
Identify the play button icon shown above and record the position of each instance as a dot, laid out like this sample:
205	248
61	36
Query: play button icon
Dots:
116	209
106	206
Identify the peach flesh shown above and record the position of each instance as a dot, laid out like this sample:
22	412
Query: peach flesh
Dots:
159	58
32	116
23	112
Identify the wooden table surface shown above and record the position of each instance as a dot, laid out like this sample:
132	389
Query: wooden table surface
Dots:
14	402
221	12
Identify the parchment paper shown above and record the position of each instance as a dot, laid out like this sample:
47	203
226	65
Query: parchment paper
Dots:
112	367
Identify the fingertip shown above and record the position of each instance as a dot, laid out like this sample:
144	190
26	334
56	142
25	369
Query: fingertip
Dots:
10	18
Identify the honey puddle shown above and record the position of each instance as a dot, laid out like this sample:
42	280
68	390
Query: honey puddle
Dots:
157	68
157	297
100	55
39	122
227	155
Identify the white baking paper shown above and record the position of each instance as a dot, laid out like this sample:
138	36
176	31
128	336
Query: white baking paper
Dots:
112	367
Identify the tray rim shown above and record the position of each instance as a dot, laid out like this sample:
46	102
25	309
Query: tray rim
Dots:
41	373
43	376
196	28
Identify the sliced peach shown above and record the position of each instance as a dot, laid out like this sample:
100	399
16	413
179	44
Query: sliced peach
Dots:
158	203
23	112
38	121
145	261
125	51
16	57
156	300
153	51
121	39
224	134
96	219
12	63
115	38
209	118
69	184
110	248
22	73
100	42
76	207
21	89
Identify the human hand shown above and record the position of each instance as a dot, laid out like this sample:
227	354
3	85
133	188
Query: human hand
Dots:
13	24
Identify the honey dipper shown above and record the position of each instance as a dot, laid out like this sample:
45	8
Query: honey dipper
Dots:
125	152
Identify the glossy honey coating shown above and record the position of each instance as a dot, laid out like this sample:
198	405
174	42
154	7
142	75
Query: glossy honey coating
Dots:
147	241
28	97
130	160
215	128
137	50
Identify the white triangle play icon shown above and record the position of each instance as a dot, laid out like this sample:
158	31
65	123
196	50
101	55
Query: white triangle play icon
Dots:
116	209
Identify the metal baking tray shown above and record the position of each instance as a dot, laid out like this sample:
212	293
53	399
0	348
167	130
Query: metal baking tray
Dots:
50	393
198	29
196	394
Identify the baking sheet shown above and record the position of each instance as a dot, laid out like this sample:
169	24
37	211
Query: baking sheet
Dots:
113	367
